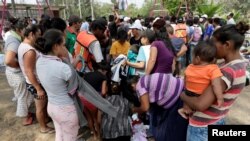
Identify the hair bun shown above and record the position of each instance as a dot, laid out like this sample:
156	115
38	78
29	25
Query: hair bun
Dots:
242	27
40	44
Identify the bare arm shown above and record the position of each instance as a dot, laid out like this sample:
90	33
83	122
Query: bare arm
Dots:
144	104
104	88
182	51
117	18
137	65
29	61
216	85
174	64
152	59
11	60
204	101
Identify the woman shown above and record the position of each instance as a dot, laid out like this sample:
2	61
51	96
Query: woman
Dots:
157	96
49	67
121	46
148	36
161	51
14	74
228	40
27	56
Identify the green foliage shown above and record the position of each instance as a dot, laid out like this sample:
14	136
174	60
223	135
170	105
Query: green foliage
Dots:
104	9
209	9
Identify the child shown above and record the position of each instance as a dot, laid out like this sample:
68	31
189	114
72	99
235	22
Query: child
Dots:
228	39
147	38
131	57
202	73
98	81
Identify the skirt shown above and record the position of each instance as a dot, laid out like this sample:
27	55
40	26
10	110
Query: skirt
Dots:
167	124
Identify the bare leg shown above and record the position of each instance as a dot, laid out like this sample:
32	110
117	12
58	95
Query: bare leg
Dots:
40	113
89	119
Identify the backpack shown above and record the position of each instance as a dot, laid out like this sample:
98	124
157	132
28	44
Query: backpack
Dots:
196	35
181	31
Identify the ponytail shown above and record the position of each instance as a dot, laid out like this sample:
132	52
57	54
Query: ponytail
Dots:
50	38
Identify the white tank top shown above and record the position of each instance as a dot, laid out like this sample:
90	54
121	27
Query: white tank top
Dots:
22	49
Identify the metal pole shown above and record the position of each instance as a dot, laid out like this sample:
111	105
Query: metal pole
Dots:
13	6
64	11
80	9
92	9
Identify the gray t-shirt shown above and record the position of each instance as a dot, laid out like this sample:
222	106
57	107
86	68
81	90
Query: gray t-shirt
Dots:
12	44
53	75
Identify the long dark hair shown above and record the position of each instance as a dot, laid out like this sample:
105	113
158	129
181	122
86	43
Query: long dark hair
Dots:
50	38
162	35
231	32
31	29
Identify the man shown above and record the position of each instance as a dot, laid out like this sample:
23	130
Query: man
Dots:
181	30
88	48
180	49
208	30
230	18
216	23
85	25
71	32
136	31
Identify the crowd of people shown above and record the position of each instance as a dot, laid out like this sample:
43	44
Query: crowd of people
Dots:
98	73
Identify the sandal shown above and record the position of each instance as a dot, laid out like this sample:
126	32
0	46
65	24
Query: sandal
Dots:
48	131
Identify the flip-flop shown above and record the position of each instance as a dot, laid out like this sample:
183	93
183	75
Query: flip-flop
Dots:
48	131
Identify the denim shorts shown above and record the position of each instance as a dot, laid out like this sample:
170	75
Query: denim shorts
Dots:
200	133
32	90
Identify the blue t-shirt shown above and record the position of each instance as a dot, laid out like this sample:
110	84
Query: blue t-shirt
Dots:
209	30
141	56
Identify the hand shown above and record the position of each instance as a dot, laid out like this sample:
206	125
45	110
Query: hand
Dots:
78	58
183	113
124	63
220	102
41	94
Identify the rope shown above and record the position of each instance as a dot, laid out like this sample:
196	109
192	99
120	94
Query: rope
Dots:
51	12
3	15
39	8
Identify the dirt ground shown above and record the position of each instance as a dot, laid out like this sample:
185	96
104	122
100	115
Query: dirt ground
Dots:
11	128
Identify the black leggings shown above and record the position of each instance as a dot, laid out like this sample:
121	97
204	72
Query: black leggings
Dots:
122	138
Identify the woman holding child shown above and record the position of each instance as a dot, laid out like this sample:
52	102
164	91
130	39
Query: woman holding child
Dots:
228	40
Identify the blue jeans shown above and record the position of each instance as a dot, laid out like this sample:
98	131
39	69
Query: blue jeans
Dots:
200	133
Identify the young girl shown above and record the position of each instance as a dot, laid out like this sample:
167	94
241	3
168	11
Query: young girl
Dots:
143	55
202	73
131	57
228	40
98	81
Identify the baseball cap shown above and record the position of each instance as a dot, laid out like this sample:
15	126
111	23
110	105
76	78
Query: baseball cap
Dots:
74	19
126	19
136	25
204	16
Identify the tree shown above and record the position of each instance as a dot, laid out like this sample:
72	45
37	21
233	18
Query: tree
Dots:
209	9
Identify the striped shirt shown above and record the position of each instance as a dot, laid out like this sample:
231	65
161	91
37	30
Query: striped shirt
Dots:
234	76
163	89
